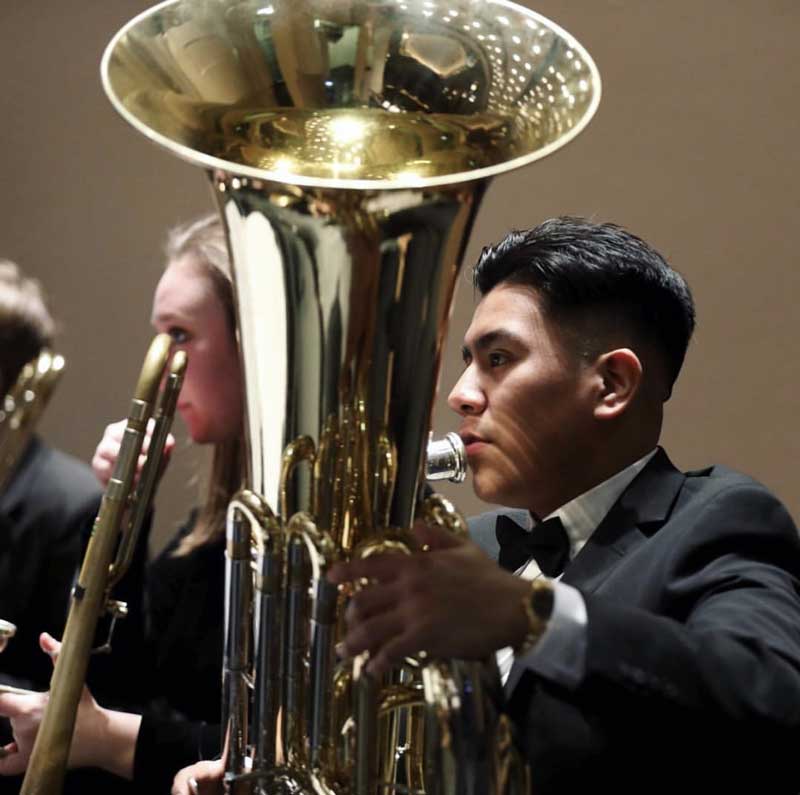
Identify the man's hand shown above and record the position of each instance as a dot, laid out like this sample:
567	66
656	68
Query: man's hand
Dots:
449	601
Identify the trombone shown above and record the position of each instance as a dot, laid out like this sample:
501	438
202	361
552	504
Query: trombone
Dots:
107	557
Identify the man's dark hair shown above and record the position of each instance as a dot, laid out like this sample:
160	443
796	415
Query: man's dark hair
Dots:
26	325
588	273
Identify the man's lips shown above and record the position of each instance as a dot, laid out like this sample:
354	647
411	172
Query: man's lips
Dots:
472	442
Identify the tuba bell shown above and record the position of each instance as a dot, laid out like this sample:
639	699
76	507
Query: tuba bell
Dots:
348	144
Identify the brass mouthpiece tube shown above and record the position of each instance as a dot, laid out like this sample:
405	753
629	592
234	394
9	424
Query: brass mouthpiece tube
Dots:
446	459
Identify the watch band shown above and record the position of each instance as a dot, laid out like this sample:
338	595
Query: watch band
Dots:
538	607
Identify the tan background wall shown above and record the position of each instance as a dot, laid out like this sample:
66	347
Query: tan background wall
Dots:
694	148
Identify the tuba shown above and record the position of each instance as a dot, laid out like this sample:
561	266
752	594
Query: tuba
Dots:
348	144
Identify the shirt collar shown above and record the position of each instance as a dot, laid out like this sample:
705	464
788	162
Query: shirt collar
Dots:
582	515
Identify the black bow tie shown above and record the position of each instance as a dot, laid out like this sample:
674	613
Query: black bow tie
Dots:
547	543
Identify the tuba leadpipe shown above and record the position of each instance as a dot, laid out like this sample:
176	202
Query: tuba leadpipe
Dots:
105	560
348	145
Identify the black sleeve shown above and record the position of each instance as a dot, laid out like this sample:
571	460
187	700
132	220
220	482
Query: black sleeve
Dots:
166	745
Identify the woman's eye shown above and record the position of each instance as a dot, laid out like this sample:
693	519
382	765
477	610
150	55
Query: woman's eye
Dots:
179	335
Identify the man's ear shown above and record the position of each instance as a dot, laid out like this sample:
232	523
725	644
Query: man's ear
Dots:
620	372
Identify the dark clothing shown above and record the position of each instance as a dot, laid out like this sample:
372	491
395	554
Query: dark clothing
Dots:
693	645
48	500
185	612
42	510
166	665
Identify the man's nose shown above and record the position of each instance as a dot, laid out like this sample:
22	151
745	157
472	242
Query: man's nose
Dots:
466	397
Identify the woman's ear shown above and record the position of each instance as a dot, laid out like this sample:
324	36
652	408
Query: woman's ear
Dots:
620	372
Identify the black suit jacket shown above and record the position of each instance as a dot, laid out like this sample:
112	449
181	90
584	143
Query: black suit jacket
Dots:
48	500
693	645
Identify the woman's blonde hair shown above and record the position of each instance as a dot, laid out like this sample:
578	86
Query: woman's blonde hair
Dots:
204	240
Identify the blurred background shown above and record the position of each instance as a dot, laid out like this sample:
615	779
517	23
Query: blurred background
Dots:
694	148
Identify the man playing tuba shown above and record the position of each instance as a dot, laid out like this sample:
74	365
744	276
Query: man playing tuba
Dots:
654	631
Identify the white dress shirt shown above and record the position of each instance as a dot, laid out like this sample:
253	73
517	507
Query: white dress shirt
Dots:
560	654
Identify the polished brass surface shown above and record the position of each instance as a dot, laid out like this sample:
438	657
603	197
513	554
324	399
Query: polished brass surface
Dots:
23	406
352	93
7	631
90	594
348	144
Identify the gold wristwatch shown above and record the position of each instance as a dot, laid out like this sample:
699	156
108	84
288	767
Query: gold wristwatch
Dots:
538	606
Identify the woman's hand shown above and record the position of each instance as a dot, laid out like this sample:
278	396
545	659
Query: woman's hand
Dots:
105	456
201	778
25	712
102	738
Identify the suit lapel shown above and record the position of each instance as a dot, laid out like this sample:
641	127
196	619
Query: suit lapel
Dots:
639	512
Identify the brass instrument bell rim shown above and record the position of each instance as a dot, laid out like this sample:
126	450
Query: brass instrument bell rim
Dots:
409	182
7	629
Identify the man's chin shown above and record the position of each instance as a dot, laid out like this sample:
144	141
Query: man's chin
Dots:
489	488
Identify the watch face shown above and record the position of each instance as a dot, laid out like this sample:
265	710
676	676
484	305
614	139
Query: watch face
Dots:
542	598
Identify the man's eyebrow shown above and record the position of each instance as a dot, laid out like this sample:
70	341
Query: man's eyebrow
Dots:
494	337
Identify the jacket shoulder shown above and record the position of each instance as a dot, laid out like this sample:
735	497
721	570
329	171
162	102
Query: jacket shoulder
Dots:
64	480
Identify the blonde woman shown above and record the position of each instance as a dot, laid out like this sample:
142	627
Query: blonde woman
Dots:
184	586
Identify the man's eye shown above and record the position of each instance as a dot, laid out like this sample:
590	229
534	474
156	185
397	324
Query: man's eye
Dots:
497	359
179	335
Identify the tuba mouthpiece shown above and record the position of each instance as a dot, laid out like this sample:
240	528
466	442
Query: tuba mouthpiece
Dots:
446	459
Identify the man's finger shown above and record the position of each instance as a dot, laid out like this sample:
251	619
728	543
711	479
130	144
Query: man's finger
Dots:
370	601
393	652
433	538
381	567
371	635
